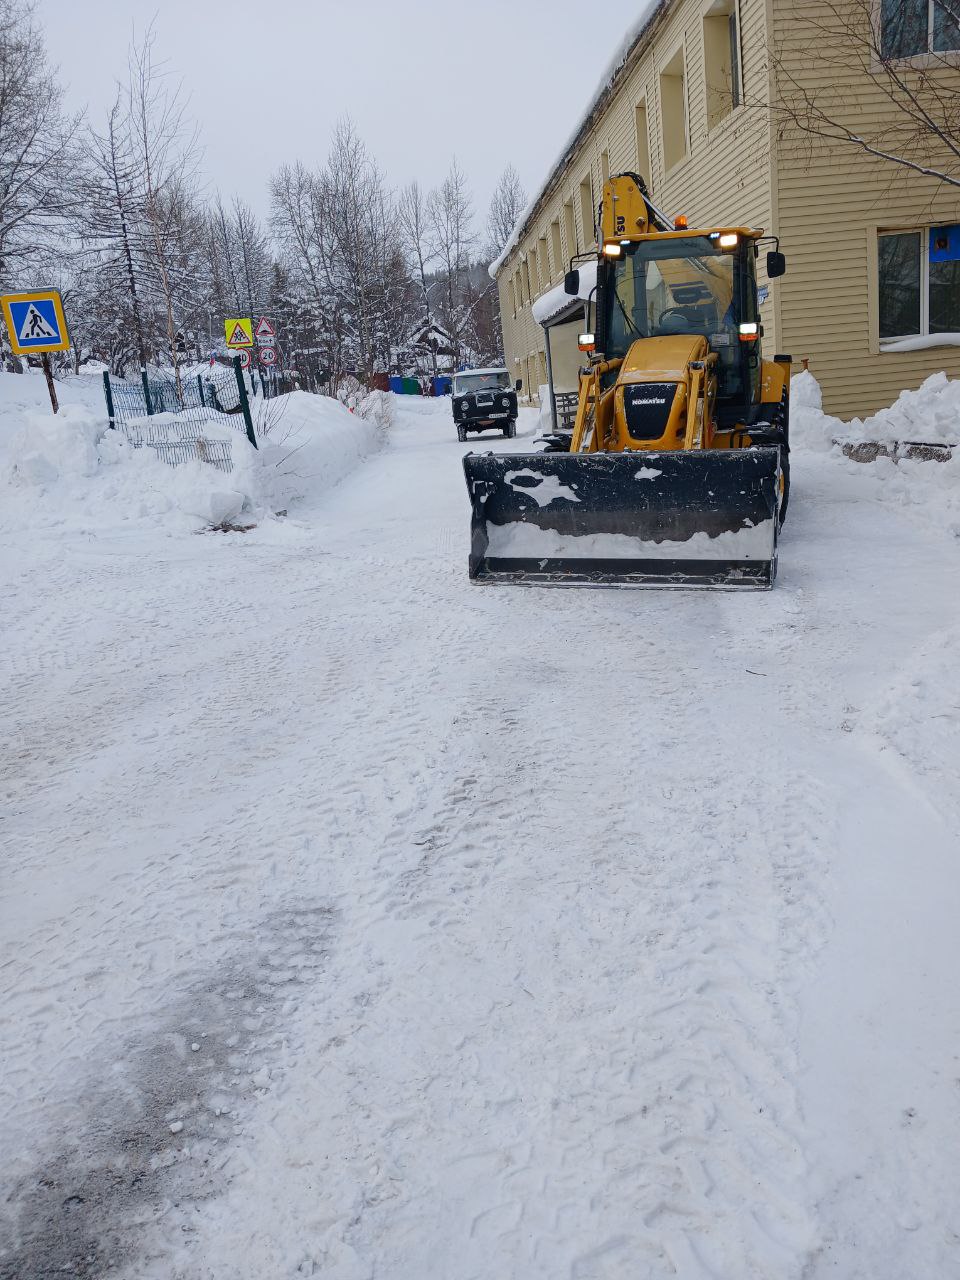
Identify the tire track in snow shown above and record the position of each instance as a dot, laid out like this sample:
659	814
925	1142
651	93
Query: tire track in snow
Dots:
621	1041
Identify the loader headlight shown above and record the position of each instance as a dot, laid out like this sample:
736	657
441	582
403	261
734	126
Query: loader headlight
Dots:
729	240
612	250
749	332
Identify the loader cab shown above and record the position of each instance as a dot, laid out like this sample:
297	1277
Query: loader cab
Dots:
668	284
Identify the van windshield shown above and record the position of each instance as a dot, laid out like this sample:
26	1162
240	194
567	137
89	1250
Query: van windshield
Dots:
498	380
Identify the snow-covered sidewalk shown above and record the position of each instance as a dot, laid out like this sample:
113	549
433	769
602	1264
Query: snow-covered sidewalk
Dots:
360	922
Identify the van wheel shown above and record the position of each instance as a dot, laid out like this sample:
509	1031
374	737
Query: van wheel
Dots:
510	430
462	434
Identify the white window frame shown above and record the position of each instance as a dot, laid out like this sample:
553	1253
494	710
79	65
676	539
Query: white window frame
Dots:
924	234
917	61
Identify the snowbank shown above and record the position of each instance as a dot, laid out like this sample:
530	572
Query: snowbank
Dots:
309	444
71	470
929	489
929	415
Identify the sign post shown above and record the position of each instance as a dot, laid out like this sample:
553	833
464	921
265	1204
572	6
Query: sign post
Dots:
36	326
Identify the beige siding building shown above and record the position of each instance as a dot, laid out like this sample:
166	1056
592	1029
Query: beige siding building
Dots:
684	110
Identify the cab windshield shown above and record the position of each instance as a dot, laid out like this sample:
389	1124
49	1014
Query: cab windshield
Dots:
678	286
498	380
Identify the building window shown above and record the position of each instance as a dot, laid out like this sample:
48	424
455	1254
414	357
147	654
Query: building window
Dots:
587	213
919	282
534	277
544	260
526	280
721	60
513	298
673	110
643	143
555	246
604	165
570	228
912	27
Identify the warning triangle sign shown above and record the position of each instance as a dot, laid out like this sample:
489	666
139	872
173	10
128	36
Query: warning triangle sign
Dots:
265	329
36	326
239	336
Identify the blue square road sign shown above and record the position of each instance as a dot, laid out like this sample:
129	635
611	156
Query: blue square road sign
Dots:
35	322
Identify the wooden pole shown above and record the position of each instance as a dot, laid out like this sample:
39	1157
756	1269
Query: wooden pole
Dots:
48	374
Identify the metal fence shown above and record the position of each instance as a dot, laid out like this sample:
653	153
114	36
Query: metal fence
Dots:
188	405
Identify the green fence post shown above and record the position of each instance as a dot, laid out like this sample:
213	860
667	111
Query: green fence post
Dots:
146	392
244	401
203	403
108	392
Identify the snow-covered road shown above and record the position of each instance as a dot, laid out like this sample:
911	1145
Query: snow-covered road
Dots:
360	922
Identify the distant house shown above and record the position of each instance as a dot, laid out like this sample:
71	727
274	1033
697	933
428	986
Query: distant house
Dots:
428	350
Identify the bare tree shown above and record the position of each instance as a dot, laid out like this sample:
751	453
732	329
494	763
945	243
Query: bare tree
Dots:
450	213
166	147
109	228
414	227
37	157
506	205
904	51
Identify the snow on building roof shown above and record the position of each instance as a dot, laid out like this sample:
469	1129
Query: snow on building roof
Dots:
555	300
631	39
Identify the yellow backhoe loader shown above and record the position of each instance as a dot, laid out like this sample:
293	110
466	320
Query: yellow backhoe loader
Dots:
678	468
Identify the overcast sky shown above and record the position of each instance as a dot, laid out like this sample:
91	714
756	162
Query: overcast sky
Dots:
489	82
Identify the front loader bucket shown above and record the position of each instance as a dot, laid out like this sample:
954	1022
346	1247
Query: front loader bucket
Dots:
679	519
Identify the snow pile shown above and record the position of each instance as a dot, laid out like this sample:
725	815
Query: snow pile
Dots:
929	415
929	489
810	427
379	407
310	445
71	470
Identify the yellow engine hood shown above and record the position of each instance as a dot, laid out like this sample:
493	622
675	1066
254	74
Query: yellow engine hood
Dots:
662	359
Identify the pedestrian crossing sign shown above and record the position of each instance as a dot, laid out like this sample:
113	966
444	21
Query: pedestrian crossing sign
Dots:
239	333
35	322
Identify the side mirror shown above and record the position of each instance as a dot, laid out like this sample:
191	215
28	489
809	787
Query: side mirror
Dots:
571	283
776	265
518	385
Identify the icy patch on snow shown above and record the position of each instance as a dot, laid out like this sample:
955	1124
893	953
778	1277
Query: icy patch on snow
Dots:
647	473
528	541
544	490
